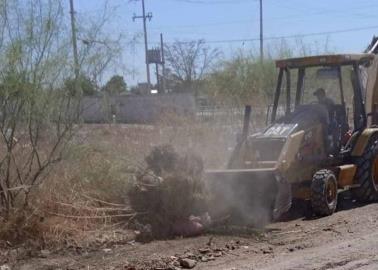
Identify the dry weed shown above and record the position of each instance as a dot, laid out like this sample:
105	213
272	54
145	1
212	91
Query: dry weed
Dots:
169	190
86	194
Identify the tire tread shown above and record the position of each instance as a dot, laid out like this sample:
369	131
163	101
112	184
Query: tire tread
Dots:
319	202
366	192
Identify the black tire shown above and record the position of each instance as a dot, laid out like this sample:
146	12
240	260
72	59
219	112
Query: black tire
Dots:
324	193
365	174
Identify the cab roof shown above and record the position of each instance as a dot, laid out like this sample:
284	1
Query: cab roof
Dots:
326	60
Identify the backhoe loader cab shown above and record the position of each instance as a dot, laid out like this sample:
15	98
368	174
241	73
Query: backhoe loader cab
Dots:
299	79
310	150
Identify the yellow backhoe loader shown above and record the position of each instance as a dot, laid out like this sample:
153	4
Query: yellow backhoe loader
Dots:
308	151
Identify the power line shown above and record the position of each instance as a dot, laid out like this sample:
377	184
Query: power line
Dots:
287	36
323	11
291	18
215	2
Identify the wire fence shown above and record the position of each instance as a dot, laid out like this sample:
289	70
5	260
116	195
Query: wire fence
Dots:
232	116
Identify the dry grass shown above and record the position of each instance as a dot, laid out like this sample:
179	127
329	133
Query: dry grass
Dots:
85	195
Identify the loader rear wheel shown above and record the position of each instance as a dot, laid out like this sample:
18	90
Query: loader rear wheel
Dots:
324	193
367	174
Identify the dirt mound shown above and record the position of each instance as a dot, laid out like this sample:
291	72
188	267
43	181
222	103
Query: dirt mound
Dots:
169	193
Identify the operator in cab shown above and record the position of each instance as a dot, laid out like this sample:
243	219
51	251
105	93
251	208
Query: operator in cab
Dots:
324	100
329	104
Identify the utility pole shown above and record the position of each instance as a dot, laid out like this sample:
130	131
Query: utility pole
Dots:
261	33
74	42
162	63
145	17
158	85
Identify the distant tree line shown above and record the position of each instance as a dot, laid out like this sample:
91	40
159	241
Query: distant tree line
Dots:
242	78
116	85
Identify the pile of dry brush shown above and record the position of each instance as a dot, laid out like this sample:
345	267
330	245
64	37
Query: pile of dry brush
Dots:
169	191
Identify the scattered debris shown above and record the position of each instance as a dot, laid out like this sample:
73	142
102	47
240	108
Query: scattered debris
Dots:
188	263
204	250
268	250
210	241
169	195
187	228
45	253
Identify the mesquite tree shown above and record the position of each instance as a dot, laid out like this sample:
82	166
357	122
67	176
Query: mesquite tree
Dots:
38	115
189	62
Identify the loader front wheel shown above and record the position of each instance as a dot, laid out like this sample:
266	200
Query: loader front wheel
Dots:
367	174
324	193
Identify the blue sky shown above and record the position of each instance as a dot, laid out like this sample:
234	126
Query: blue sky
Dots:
221	22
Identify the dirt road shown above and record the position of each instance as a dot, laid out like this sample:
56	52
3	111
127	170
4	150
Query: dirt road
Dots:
348	240
345	241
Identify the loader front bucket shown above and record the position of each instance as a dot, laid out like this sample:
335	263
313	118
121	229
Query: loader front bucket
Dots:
249	196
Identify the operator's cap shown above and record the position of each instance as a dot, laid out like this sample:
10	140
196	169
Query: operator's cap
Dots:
319	91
